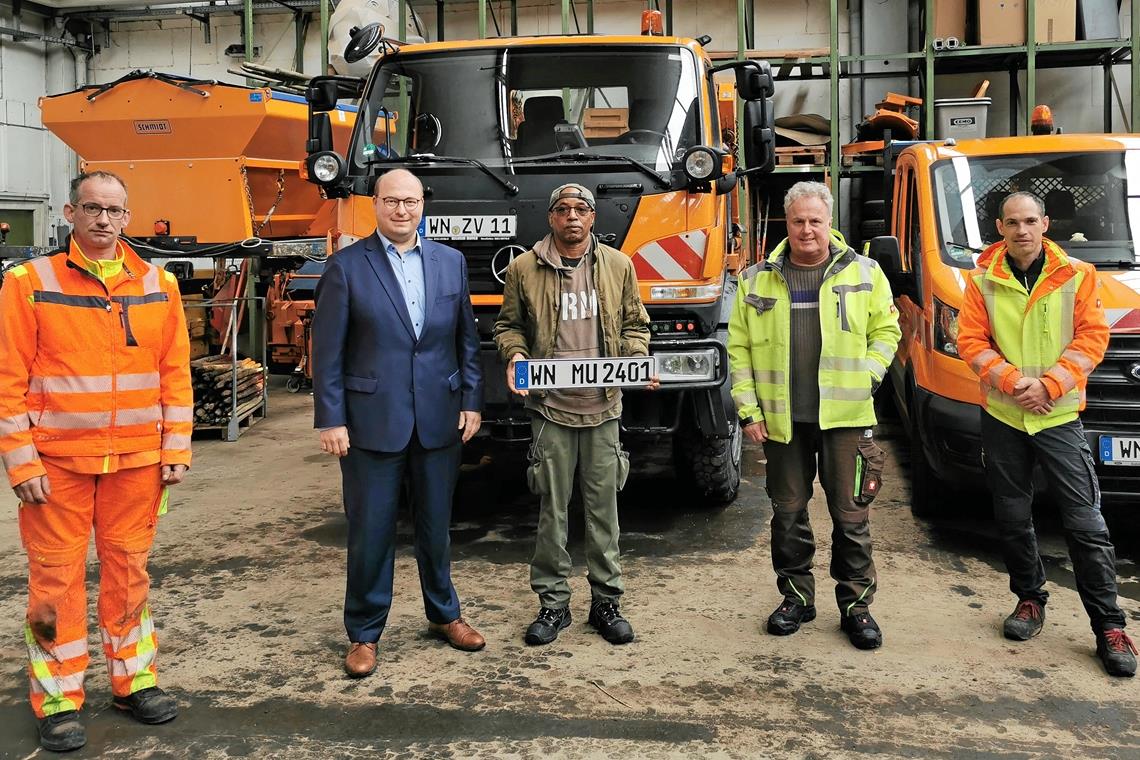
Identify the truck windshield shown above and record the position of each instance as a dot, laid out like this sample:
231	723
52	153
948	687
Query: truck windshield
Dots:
1091	200
499	104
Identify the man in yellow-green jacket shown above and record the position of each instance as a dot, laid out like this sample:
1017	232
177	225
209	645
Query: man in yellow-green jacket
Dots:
811	335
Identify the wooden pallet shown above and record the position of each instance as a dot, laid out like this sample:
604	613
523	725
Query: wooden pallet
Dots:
801	154
245	417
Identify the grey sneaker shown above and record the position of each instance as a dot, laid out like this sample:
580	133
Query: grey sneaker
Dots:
1116	652
1025	622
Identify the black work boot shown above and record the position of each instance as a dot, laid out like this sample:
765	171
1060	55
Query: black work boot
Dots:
546	626
1116	652
61	732
604	616
1025	622
151	705
788	616
862	630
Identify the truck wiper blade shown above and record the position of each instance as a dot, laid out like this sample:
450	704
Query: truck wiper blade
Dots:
965	246
431	158
577	155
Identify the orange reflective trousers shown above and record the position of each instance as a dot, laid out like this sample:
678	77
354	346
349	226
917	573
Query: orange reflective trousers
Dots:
123	507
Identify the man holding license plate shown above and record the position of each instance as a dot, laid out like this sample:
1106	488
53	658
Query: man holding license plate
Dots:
573	330
1033	329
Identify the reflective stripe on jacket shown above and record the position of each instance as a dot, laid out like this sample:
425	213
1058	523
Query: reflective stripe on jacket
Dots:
858	324
88	369
1056	332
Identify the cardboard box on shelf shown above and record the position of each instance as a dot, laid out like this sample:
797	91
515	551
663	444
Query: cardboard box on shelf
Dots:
950	19
199	347
1001	22
196	315
1056	21
605	122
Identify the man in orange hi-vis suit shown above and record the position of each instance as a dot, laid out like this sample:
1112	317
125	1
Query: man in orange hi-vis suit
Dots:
96	412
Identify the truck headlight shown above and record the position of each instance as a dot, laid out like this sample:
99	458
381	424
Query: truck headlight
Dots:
701	163
945	328
686	366
326	167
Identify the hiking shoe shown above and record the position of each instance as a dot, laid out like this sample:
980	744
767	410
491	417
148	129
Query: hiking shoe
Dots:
151	705
1117	652
1025	622
61	732
604	616
788	616
862	630
546	626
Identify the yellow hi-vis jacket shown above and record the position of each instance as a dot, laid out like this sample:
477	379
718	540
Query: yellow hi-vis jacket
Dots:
859	326
1056	331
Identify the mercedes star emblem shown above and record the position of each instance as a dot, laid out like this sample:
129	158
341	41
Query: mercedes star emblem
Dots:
502	259
1134	372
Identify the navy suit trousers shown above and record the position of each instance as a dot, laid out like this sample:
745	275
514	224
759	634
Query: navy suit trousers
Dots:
373	482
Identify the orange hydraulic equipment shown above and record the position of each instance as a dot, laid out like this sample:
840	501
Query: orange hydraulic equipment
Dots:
213	173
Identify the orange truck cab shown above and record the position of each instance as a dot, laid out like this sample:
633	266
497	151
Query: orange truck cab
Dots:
493	126
941	210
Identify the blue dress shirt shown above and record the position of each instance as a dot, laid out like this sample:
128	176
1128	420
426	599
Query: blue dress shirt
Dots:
409	269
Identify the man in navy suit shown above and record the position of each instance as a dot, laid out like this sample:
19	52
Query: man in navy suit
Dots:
397	385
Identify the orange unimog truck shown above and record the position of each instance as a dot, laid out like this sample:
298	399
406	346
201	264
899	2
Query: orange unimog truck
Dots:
941	209
492	126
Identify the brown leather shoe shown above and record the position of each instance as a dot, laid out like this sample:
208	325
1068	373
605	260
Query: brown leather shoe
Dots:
459	635
361	659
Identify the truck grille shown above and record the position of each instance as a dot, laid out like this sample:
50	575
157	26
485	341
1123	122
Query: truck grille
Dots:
1113	396
479	276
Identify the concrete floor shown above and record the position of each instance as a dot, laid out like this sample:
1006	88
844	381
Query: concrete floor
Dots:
248	583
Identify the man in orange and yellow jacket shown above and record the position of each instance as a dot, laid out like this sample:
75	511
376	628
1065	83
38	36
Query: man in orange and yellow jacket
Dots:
96	412
1032	329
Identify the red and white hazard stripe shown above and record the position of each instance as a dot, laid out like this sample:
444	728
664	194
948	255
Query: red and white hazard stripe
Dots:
677	257
1123	320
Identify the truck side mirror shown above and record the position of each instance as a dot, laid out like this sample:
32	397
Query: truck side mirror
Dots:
322	94
754	82
320	133
884	250
759	135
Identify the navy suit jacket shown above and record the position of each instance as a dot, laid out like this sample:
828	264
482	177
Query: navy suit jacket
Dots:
369	370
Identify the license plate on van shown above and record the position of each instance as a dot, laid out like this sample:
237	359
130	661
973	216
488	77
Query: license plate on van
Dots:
547	374
1119	450
480	227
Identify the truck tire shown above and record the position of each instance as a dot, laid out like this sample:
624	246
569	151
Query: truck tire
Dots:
928	494
709	466
871	228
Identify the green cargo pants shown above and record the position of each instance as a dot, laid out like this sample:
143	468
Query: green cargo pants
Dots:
595	454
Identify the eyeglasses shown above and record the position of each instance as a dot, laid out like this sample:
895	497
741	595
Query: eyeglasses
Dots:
93	210
411	204
579	210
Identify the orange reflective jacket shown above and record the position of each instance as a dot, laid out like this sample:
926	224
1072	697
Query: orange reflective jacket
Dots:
1055	331
92	369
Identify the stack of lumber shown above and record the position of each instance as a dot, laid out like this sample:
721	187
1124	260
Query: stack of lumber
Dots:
214	390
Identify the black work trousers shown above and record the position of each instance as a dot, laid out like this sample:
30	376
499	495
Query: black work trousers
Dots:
1064	455
790	474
